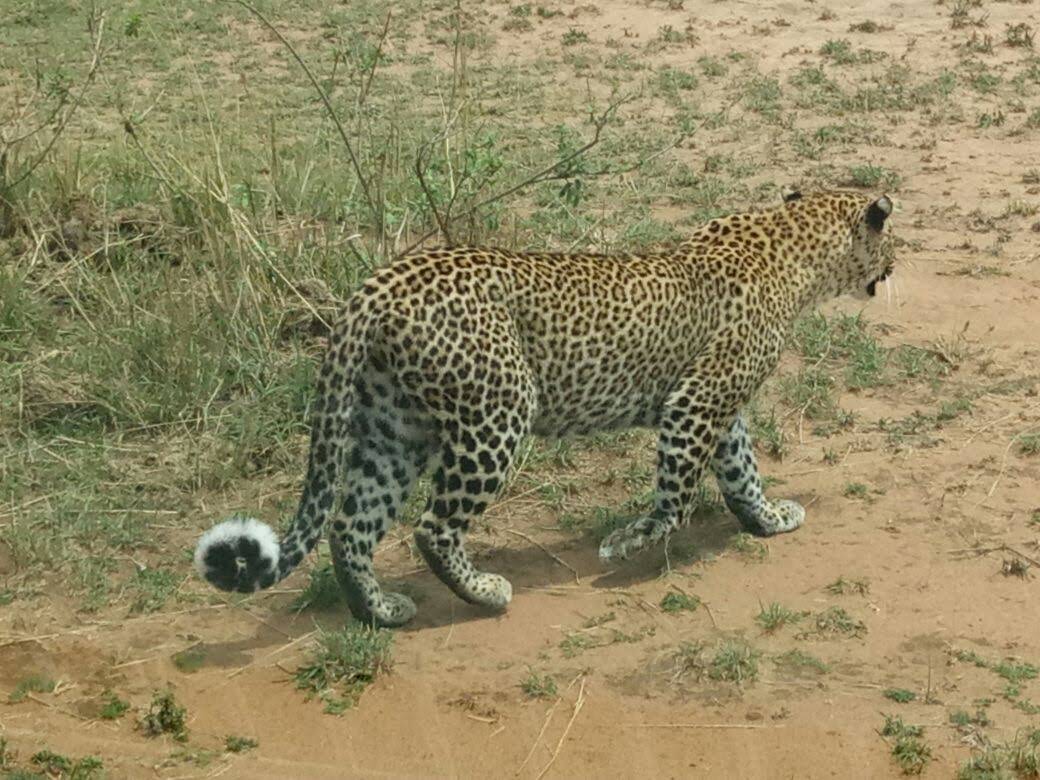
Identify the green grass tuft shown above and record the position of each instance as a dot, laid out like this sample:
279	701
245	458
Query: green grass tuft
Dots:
899	695
674	602
343	663
165	716
775	616
536	687
234	744
34	683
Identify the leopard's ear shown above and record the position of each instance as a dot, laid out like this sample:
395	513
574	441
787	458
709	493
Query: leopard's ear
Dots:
790	194
878	212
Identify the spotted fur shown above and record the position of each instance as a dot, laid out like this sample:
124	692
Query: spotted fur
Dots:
446	359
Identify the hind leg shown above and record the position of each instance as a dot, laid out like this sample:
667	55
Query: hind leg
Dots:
737	473
474	465
391	448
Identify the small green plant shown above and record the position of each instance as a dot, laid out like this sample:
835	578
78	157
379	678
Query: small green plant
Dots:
322	590
899	695
190	660
870	176
712	67
856	490
912	755
599	620
868	26
749	547
842	586
734	661
112	707
835	620
34	683
838	51
909	750
970	656
775	616
799	662
574	644
963	718
52	763
674	602
1020	34
165	716
1029	444
810	391
152	588
536	687
345	662
1015	672
1019	758
574	36
234	744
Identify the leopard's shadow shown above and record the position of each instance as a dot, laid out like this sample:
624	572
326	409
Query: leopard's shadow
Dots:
530	567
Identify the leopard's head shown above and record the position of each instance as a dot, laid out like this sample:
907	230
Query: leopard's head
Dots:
873	255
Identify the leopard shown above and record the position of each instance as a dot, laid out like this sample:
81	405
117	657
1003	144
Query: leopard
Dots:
446	360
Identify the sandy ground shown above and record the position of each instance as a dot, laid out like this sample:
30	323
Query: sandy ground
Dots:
452	707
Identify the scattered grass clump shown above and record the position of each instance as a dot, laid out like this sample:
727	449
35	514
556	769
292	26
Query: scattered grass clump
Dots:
843	586
236	744
675	602
963	718
34	683
870	176
345	662
536	687
909	750
912	754
811	392
1029	444
799	662
56	765
190	660
734	661
749	547
321	592
574	36
775	616
855	490
899	695
1014	760
1016	672
835	621
1019	34
152	588
112	707
165	716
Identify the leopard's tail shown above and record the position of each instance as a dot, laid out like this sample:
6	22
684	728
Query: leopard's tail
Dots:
243	554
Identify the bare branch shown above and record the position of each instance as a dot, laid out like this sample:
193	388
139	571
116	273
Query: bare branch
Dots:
355	163
95	63
429	198
551	172
375	62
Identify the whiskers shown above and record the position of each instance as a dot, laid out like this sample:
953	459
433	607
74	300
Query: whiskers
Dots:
892	292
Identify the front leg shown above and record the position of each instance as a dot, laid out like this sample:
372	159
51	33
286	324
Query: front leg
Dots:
737	473
687	440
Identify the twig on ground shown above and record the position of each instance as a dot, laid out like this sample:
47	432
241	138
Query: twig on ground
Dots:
578	704
700	726
548	552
